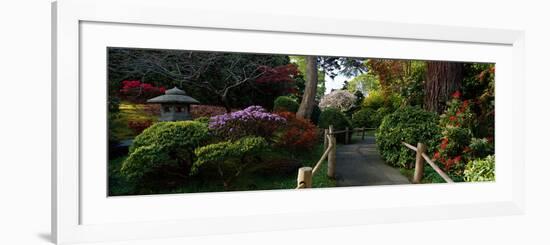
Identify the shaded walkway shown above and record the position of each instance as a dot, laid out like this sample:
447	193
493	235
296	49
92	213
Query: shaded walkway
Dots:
360	164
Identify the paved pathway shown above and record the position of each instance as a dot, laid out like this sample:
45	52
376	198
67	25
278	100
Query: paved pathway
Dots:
359	164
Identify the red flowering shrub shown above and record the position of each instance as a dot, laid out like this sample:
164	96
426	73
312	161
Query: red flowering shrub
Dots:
136	91
457	123
139	126
206	111
297	134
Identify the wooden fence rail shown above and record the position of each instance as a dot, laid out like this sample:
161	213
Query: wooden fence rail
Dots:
349	132
421	156
305	174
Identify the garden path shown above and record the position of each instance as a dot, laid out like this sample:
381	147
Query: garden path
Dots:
360	164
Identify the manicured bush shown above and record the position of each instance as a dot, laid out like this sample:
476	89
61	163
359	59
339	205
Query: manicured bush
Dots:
480	169
407	124
164	149
298	134
252	121
285	103
230	158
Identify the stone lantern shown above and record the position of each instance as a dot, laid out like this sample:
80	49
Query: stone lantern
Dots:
174	105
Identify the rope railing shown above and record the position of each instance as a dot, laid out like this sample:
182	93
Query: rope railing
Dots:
421	156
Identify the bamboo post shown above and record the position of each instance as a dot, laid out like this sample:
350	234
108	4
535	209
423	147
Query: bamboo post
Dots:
304	177
419	164
347	136
331	154
325	140
363	134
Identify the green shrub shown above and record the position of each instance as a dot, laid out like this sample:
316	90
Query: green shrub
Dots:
164	149
336	118
374	100
204	120
363	118
380	114
370	118
407	124
480	169
315	114
480	148
229	157
285	103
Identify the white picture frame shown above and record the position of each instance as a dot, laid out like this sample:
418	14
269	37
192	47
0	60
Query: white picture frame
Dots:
79	30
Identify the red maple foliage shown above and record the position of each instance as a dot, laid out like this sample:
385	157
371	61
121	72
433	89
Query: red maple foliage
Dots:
297	134
137	91
279	78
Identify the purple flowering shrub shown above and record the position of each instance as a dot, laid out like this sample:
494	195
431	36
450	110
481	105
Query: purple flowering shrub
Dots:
252	121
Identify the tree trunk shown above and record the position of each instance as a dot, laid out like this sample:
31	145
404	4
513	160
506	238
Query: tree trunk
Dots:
225	103
310	91
442	79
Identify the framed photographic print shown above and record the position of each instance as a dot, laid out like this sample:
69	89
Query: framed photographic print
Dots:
171	125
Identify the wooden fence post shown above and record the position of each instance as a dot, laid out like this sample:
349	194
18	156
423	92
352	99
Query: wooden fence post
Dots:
304	177
347	136
325	140
419	164
331	154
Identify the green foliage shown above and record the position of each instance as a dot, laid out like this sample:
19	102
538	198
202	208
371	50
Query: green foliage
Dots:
412	83
370	118
364	82
315	114
456	122
480	169
144	160
334	117
229	157
457	139
480	148
175	136
374	100
479	85
165	148
363	118
407	124
300	61
204	120
285	103
128	112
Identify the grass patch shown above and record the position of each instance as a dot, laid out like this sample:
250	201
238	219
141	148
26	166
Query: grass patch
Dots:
131	112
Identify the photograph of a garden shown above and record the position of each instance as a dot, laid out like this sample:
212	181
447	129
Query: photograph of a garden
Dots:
183	121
